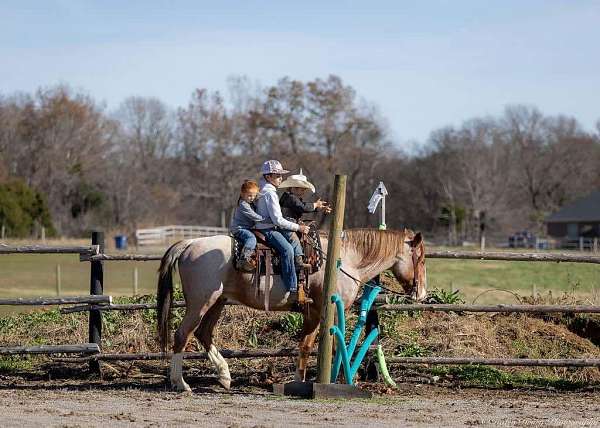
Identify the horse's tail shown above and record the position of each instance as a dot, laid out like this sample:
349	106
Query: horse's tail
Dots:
164	291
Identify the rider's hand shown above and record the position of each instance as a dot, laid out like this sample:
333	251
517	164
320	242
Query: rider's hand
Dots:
319	204
304	229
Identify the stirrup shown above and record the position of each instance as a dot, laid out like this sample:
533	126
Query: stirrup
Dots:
302	266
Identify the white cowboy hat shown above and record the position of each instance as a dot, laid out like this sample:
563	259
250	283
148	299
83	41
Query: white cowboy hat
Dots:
298	180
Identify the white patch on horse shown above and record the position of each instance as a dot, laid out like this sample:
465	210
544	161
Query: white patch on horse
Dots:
177	381
221	365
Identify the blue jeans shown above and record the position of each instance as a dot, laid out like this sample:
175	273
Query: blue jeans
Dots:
276	240
248	241
294	240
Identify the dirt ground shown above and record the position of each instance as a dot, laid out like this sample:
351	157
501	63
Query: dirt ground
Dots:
67	403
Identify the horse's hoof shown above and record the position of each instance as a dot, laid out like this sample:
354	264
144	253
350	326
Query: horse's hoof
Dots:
225	382
181	387
299	376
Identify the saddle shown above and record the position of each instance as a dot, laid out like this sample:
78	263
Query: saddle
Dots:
267	263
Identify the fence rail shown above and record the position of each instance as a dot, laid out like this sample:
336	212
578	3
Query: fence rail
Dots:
463	255
83	348
525	362
524	257
227	353
44	249
493	308
44	301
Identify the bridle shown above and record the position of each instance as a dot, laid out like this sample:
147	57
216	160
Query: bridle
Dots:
416	260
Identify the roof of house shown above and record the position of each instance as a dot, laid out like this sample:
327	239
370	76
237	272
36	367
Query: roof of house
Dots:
583	209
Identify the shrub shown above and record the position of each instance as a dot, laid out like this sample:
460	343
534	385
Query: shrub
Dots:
22	209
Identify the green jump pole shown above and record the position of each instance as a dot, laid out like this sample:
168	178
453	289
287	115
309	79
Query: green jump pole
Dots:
324	358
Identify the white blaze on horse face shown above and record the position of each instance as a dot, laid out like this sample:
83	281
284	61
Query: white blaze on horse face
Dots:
422	291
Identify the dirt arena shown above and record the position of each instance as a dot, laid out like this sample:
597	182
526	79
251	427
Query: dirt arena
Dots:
100	404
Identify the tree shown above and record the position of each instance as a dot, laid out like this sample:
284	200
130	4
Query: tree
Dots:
23	211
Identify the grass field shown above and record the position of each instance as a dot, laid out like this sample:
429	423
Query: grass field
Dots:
35	275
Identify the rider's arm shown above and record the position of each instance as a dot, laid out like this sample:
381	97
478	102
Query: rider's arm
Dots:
301	206
247	211
272	203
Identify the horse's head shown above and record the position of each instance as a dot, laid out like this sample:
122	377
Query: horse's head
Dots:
409	269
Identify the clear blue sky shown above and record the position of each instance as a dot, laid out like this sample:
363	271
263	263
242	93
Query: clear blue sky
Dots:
425	64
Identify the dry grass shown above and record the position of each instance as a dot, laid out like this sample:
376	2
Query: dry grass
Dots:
417	334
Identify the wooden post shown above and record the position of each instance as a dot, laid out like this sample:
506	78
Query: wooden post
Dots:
135	281
43	234
581	243
329	287
58	281
96	288
3	232
595	245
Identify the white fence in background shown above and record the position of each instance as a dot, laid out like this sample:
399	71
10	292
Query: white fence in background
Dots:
165	234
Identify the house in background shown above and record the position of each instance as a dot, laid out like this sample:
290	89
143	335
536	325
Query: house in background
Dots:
578	221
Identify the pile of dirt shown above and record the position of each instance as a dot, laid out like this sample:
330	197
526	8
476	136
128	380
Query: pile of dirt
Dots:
490	336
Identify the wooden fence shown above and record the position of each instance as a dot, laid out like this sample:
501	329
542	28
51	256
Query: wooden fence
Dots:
164	234
97	302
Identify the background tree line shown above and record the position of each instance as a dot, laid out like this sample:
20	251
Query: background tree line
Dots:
146	164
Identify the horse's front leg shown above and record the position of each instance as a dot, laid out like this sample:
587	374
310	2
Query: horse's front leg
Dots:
309	333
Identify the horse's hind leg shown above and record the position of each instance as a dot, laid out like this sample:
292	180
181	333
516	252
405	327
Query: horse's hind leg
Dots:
191	321
204	334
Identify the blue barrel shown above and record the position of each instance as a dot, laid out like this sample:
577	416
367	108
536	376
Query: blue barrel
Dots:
121	242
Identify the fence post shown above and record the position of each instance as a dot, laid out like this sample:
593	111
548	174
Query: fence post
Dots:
595	245
135	281
96	288
324	358
58	281
581	248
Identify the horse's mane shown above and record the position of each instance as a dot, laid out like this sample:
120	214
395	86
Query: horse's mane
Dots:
376	244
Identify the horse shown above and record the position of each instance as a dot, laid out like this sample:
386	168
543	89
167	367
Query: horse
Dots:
209	279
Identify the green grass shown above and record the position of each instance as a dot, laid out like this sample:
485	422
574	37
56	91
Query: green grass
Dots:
473	277
491	377
26	275
32	275
29	275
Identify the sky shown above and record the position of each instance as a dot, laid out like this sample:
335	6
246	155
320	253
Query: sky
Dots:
423	64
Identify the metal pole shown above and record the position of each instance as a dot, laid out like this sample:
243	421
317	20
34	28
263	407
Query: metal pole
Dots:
96	288
382	225
324	358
